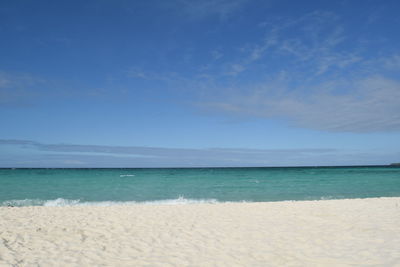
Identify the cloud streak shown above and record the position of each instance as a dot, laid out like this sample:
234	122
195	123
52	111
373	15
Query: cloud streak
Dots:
36	154
136	156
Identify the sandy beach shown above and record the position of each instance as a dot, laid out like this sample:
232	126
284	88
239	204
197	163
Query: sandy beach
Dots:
291	233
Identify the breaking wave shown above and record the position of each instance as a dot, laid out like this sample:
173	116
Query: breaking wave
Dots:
61	202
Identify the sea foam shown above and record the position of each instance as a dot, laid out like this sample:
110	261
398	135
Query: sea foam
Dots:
61	202
126	175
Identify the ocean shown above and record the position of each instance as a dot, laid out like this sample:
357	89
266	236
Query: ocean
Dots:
103	187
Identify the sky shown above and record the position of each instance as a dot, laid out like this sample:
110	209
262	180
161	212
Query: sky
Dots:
185	83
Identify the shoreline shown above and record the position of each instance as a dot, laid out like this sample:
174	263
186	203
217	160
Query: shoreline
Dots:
312	232
61	202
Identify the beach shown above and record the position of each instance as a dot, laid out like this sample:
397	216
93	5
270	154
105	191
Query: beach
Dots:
288	233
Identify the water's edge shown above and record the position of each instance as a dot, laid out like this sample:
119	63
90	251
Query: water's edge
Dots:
176	186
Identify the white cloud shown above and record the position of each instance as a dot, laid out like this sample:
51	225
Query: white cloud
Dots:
315	77
366	105
309	71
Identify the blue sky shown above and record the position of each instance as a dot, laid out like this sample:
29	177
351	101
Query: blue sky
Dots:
186	83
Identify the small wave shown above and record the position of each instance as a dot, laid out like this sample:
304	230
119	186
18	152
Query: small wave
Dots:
23	202
126	175
329	197
61	202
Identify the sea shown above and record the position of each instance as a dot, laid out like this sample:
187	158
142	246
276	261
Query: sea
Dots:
176	186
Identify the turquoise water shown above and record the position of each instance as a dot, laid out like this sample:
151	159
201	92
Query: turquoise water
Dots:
57	187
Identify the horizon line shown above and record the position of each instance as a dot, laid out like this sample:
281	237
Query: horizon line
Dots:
214	167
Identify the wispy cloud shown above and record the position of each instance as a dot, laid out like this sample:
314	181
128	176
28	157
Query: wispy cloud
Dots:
308	41
71	155
149	151
319	80
367	105
136	156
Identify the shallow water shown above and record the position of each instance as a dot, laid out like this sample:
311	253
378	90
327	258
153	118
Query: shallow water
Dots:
58	187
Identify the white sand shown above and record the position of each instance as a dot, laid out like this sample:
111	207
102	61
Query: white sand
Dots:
308	233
